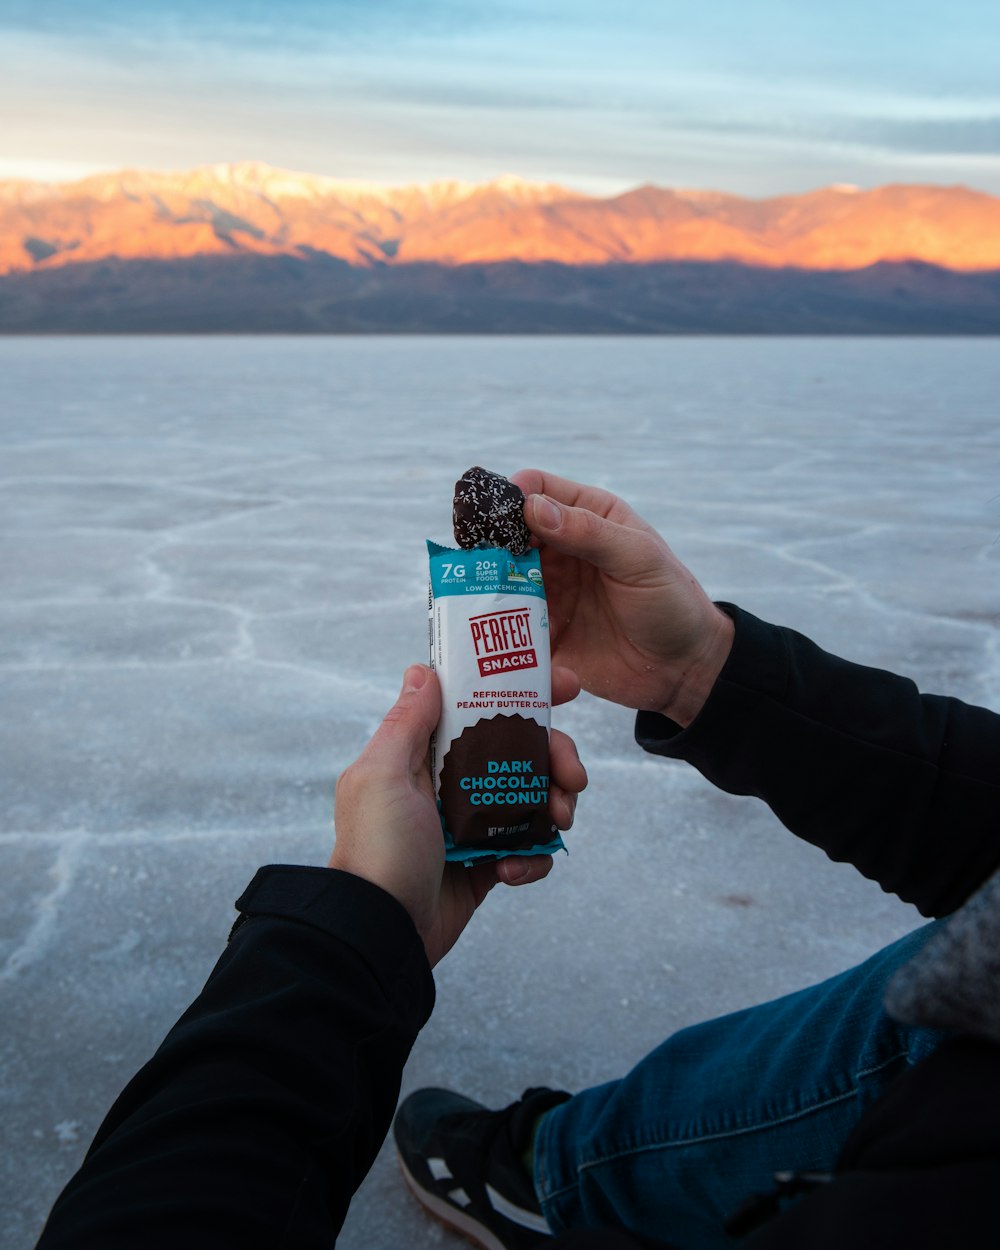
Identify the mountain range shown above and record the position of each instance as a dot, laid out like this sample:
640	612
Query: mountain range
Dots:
253	248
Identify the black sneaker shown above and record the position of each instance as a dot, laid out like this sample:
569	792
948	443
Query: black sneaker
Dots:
463	1163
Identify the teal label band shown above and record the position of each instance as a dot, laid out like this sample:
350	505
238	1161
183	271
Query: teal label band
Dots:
484	570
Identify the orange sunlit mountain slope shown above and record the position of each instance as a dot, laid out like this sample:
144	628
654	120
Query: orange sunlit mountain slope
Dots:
249	209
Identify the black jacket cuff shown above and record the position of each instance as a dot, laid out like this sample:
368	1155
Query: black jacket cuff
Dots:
756	668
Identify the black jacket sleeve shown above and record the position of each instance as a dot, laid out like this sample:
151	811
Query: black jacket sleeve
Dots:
263	1109
904	786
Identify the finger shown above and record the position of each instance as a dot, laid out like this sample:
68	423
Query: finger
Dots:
562	807
564	490
523	869
565	685
565	766
631	553
482	877
401	742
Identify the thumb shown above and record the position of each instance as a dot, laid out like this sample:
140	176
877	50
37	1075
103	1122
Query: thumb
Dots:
402	740
634	554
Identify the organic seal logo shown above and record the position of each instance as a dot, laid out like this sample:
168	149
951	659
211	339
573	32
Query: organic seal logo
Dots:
535	575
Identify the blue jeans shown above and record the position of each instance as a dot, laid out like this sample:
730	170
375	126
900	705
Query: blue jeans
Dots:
673	1149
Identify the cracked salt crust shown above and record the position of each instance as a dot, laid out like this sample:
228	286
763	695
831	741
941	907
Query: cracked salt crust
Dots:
209	601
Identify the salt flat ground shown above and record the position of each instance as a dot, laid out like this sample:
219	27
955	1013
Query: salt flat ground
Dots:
213	575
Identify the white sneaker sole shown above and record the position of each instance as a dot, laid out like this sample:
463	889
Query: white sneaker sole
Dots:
449	1215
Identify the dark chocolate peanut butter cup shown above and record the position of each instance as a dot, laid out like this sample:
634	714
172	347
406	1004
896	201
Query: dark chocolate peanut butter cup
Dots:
488	510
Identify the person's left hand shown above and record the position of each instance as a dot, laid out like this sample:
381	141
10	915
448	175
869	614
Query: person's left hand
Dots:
387	824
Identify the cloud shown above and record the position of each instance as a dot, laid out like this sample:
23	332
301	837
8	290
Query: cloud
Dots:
755	98
931	136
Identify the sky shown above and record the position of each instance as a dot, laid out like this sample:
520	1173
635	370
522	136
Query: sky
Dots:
755	97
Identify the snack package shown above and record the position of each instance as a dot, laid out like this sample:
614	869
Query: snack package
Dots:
489	643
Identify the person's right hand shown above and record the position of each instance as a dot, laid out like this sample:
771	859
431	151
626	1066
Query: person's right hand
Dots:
625	614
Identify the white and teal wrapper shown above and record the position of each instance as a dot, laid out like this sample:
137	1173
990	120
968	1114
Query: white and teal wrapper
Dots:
489	645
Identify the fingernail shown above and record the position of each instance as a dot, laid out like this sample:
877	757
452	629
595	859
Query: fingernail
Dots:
414	678
514	870
547	513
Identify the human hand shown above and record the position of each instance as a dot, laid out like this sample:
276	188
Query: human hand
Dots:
389	830
626	616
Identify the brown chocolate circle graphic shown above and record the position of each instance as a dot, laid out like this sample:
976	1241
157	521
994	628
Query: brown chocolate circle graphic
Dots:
495	784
